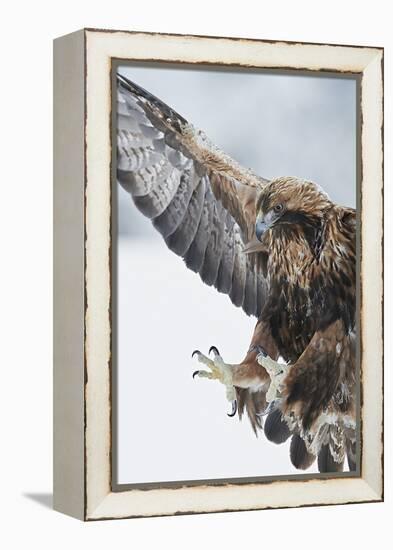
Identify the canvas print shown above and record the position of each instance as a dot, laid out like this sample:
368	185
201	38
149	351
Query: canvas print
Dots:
235	275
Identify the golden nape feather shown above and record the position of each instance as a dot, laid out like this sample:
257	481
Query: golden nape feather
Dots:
281	250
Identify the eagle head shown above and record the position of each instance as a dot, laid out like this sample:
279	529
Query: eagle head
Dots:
289	202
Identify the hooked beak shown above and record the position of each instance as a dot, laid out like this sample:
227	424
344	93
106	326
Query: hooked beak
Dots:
263	223
260	229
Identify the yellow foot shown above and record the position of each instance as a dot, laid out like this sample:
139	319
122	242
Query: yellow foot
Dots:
218	371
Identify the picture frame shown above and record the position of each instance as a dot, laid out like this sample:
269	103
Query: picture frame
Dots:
83	285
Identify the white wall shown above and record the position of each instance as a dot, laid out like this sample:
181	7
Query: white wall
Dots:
25	218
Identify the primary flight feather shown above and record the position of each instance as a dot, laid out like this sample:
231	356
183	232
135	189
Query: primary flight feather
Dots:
281	250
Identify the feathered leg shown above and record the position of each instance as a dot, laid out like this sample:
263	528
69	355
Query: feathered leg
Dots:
315	397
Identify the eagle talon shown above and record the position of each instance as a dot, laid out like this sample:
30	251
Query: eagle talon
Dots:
218	370
214	350
234	409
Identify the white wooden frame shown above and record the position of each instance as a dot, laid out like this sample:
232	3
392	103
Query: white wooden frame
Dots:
82	335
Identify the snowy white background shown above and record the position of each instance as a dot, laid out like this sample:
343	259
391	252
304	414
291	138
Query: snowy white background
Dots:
171	427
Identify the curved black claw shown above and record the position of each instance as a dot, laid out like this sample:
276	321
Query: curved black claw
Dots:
196	352
234	409
214	350
195	373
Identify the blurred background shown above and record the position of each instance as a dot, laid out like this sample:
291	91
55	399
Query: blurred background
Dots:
171	427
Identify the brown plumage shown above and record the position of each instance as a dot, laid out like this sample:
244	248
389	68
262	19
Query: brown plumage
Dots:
280	249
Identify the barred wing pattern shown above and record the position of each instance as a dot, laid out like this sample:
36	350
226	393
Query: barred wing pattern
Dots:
199	199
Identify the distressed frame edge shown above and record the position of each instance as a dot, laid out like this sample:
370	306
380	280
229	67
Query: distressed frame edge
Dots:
231	38
376	488
69	277
372	189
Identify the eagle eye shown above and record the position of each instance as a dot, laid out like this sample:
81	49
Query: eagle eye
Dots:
278	207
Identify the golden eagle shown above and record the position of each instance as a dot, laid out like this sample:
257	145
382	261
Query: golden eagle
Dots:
281	250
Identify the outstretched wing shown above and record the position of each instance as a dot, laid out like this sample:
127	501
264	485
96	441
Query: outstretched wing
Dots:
199	199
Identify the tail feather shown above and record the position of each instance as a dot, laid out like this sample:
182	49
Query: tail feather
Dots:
300	457
326	462
276	429
351	454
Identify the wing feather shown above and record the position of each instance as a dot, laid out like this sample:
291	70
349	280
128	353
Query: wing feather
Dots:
209	270
196	253
181	240
167	222
225	269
